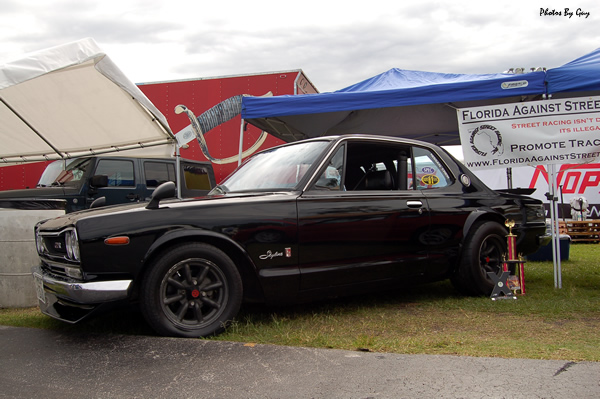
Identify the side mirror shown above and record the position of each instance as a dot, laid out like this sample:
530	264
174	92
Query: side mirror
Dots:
165	190
99	181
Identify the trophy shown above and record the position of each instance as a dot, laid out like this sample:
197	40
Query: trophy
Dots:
516	281
507	284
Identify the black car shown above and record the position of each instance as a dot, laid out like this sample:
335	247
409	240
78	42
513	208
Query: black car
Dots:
318	218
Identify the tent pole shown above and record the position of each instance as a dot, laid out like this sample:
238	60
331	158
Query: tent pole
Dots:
557	229
554	219
241	142
509	183
178	167
34	130
558	256
562	204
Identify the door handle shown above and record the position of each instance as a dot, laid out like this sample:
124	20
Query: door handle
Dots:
133	197
414	204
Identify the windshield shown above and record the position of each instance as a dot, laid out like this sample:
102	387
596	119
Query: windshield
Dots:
275	169
56	174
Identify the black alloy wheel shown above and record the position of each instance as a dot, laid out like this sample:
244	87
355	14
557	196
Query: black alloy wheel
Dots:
491	252
194	290
483	252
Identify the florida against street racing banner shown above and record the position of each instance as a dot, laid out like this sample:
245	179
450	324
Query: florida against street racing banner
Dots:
531	133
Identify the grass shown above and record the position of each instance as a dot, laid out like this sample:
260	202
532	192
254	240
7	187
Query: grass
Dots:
546	323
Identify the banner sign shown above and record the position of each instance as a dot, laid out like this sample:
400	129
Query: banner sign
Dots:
531	133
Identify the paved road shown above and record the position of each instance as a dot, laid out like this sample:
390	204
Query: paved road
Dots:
50	364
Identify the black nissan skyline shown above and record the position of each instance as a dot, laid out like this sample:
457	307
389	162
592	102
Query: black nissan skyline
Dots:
313	219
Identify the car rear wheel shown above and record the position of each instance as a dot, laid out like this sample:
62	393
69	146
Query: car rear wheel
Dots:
483	252
193	290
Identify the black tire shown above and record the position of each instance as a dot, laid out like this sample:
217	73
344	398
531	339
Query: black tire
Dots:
482	252
193	290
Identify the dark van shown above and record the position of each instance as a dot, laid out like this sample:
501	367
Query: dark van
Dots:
80	181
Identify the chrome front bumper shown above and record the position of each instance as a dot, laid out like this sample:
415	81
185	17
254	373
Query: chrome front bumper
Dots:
70	300
84	293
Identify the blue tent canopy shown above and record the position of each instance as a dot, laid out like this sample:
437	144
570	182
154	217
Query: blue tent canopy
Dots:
435	87
397	88
413	104
580	75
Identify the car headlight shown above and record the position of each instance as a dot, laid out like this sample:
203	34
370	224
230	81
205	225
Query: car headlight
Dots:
58	244
72	245
39	243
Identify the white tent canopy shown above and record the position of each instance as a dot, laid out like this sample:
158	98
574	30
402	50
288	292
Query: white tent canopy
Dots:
71	100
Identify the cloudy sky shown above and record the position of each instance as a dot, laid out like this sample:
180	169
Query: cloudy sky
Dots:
336	43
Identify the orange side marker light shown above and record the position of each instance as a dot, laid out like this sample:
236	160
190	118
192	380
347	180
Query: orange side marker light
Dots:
117	240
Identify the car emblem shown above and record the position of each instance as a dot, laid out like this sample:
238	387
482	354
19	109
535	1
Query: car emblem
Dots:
58	245
270	255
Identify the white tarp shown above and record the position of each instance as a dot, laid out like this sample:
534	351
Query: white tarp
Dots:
555	131
72	100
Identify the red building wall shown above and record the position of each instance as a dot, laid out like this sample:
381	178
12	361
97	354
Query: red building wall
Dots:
21	176
200	95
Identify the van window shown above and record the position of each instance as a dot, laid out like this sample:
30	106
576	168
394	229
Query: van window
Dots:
158	173
119	172
196	177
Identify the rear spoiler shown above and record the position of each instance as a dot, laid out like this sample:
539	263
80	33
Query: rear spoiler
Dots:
519	191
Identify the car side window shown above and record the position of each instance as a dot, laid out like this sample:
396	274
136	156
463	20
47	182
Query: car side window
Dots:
119	172
331	177
158	173
428	171
375	166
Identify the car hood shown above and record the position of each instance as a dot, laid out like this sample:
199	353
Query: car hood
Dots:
36	198
41	192
139	210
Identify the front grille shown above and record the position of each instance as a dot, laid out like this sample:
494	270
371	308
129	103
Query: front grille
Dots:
59	252
55	245
58	246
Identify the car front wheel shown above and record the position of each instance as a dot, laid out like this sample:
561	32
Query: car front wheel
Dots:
193	290
483	252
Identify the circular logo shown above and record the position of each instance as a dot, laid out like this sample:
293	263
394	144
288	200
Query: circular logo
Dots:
430	180
486	139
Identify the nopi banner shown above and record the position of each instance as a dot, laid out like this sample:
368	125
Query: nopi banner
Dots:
531	133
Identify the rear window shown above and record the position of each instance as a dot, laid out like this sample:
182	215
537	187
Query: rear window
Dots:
196	177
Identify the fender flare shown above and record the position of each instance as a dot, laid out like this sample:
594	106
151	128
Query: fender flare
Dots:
244	264
185	233
477	215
